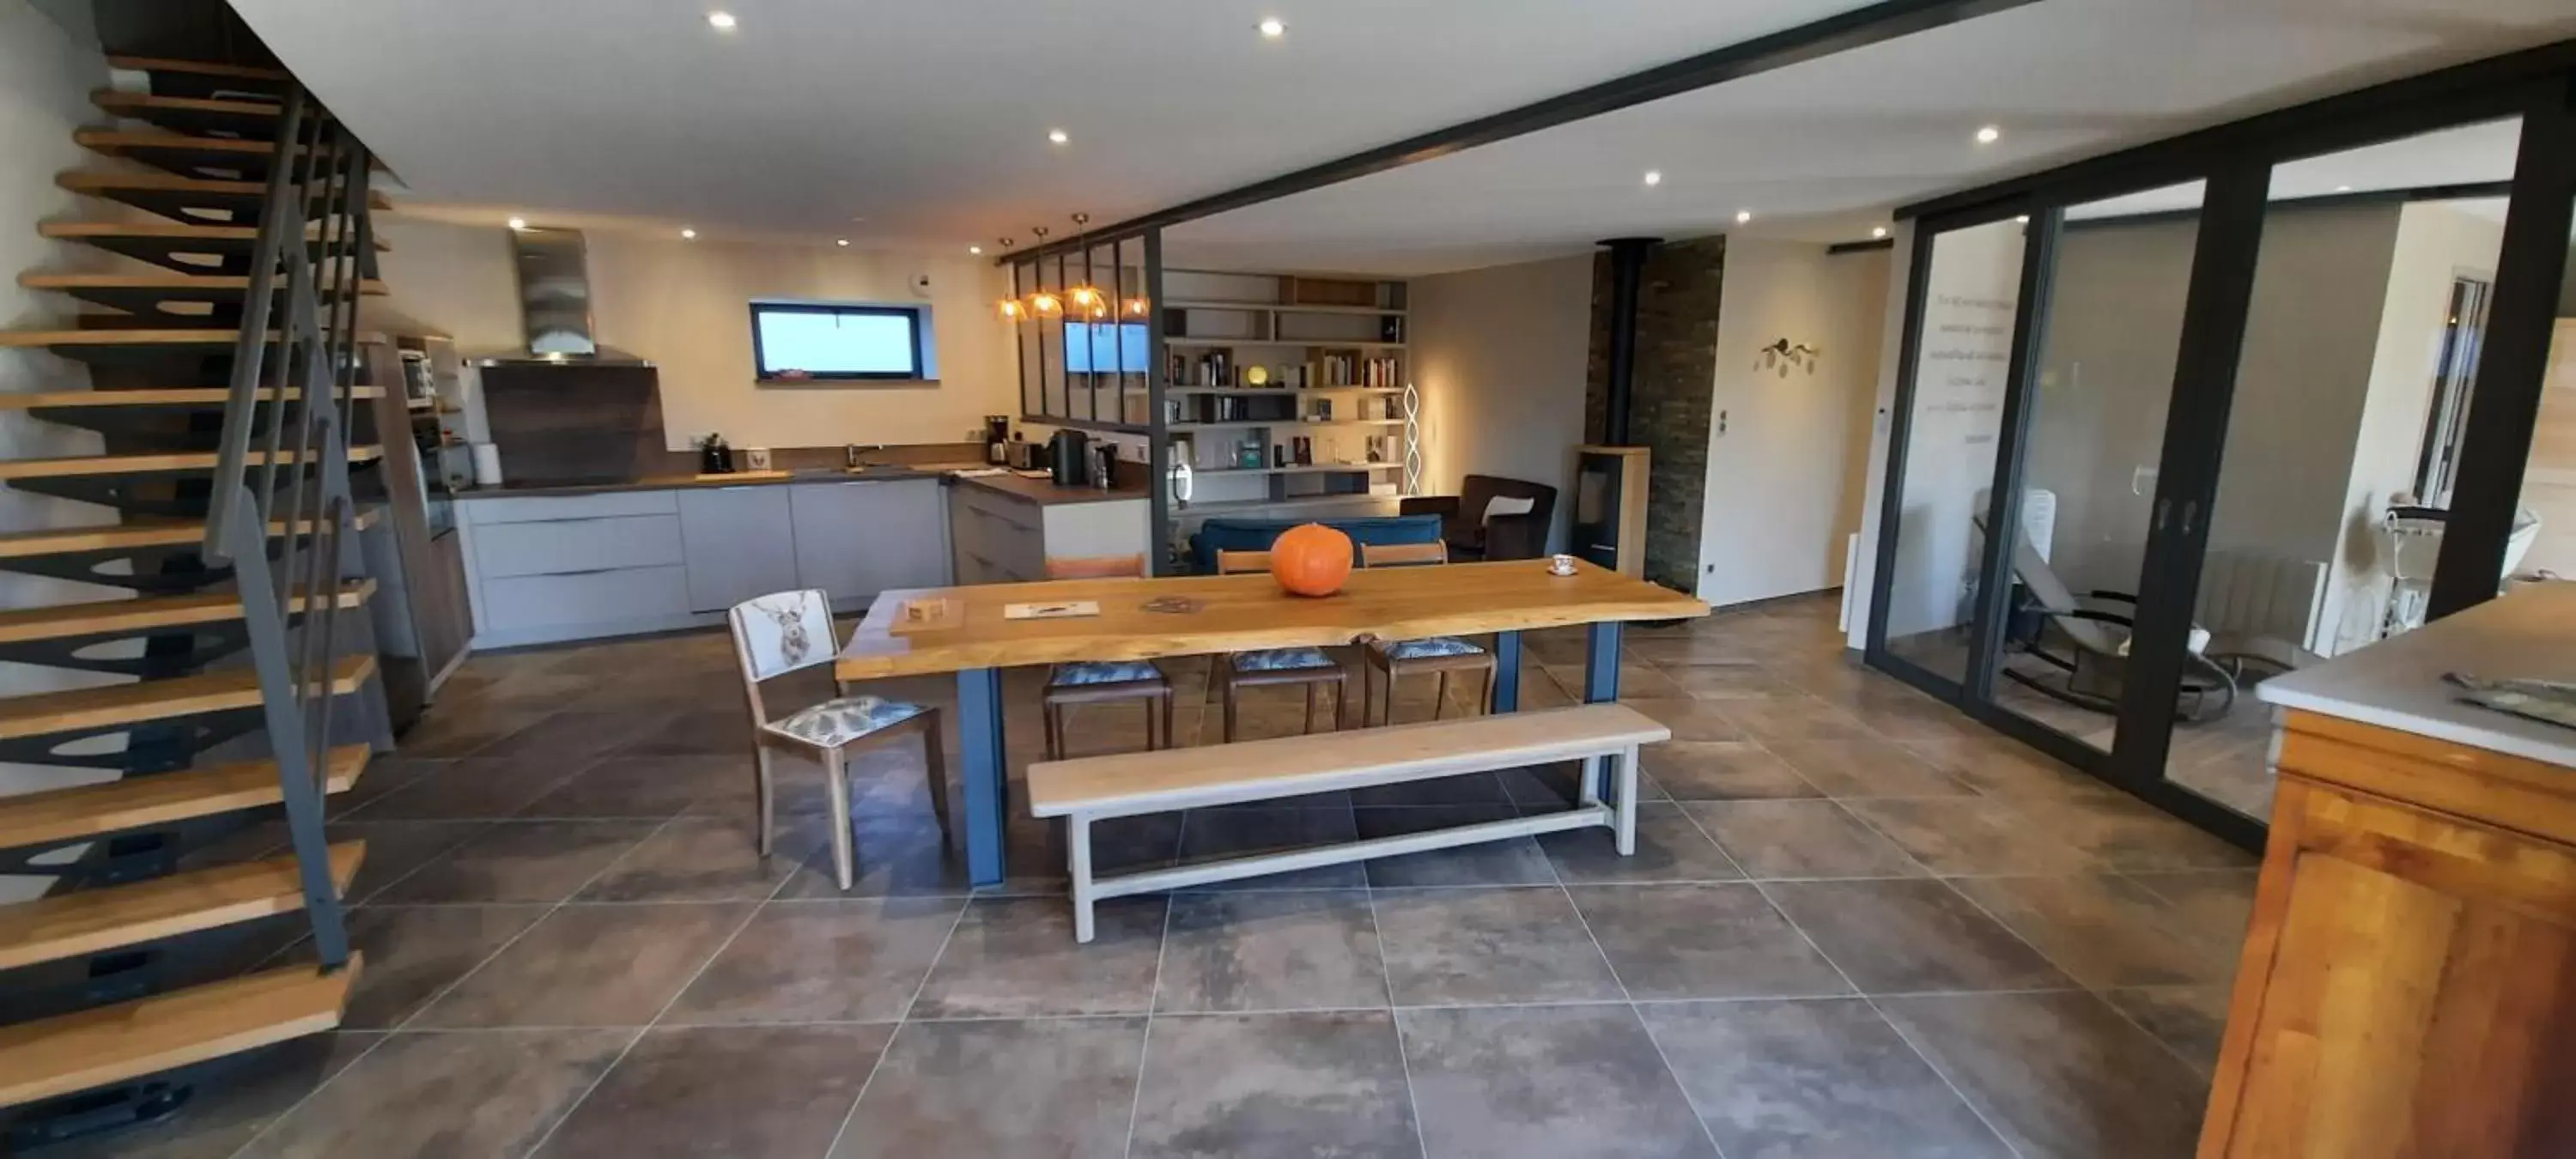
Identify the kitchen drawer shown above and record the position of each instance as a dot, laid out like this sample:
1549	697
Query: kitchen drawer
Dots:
533	602
535	508
998	510
576	545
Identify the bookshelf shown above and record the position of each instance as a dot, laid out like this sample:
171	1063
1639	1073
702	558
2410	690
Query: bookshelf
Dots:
1285	392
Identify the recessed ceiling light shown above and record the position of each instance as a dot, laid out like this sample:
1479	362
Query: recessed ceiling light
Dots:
1878	231
1743	215
1654	177
1274	28
2023	219
687	234
1059	136
2343	189
840	241
721	21
1989	135
975	249
518	223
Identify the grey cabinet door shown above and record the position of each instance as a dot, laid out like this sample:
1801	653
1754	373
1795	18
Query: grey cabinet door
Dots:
854	540
739	542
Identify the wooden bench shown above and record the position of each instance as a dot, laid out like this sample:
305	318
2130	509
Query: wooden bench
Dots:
1091	789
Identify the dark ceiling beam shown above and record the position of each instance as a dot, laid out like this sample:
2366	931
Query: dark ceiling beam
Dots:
1858	28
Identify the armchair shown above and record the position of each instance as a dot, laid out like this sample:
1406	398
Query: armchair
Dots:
1474	535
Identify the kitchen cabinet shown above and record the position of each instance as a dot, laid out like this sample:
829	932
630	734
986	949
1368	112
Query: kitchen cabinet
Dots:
856	539
737	543
999	538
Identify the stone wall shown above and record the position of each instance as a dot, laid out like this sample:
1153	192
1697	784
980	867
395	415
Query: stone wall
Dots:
1676	376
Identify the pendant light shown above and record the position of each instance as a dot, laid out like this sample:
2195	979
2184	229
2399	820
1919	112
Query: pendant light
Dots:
1083	297
1042	304
1011	309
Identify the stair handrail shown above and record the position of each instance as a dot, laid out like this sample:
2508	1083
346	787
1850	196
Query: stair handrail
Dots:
296	367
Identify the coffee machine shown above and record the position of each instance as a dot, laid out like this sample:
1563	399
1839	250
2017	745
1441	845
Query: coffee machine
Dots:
997	437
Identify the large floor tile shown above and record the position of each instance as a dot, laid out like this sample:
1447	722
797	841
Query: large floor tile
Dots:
1291	950
1903	937
1470	946
1670	847
822	961
1016	957
703	859
1868	768
1511	861
1800	839
1232	1086
2124	833
1690	720
1467	789
1221	834
652	787
2063	1076
1814	1080
2103	929
2191	1020
1723	771
1566	1082
1703	941
520	861
897	857
575	735
2213	905
441	1096
584	965
475	789
1059	1088
394	848
415	952
1971	835
1803	719
723	1090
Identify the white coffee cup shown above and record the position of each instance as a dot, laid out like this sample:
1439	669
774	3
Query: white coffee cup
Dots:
1560	565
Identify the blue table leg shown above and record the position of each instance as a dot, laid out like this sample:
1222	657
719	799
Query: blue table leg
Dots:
1507	672
979	725
1601	685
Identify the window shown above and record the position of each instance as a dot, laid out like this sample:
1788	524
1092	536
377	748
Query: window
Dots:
802	341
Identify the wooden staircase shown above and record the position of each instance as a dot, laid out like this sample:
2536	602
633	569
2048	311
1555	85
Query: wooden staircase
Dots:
225	498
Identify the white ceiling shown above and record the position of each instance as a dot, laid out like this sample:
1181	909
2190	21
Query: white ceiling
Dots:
928	118
1822	150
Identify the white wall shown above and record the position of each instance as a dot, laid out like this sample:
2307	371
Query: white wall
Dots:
1785	472
46	76
1500	355
685	306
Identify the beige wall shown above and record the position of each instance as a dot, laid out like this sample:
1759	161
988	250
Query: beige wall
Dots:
1499	357
685	306
46	76
1785	475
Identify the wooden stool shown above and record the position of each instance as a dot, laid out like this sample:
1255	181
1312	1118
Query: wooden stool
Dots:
1312	667
785	632
1436	654
1104	681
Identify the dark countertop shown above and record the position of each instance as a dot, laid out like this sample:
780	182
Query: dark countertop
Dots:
1025	490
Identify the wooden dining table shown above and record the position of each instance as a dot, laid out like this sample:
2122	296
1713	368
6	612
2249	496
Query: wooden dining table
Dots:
976	632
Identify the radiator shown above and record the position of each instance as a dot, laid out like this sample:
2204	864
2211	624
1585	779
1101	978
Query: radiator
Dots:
2251	594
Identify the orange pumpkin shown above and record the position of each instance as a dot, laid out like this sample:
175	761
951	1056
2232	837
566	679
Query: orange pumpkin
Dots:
1311	560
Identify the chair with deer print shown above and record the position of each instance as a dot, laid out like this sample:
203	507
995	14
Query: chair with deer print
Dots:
786	632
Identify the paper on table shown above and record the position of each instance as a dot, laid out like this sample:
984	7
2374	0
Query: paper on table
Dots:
1061	609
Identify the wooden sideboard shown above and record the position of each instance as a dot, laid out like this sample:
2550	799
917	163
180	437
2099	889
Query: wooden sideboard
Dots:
2408	986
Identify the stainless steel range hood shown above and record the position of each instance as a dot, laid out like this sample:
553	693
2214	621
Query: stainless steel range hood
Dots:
554	300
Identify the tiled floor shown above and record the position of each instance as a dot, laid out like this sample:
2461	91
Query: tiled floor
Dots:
1854	926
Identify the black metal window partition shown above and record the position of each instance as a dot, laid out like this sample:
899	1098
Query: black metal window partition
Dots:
1090	355
1953	610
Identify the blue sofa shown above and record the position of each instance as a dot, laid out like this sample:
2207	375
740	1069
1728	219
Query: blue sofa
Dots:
1220	533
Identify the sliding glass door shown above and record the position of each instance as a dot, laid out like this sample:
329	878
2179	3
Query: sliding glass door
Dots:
2158	442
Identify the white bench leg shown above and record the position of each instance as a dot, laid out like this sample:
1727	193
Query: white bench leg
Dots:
1587	785
1627	826
1077	842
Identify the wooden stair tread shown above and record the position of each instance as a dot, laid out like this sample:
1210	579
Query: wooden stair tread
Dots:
158	281
114	336
117	142
72	925
196	68
112	705
74	465
100	184
168	231
141	105
1285	766
155	396
54	816
91	1048
128	536
66	621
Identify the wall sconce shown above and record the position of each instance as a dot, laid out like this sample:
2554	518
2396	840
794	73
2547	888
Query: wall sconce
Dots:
1781	355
